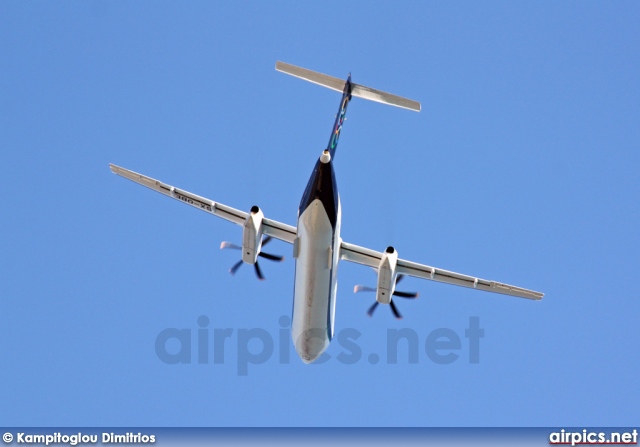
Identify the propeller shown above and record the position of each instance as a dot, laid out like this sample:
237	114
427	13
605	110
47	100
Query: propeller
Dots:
399	294
256	266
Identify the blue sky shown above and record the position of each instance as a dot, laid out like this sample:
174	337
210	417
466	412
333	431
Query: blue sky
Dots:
522	167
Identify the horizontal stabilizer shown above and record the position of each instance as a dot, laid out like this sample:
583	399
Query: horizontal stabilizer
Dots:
311	76
372	94
357	90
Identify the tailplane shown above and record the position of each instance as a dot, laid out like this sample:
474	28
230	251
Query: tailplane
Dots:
357	90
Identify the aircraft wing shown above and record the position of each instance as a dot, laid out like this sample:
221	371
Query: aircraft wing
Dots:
272	228
372	258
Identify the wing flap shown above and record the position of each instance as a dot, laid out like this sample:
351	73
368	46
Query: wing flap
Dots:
360	255
217	209
279	230
284	232
371	258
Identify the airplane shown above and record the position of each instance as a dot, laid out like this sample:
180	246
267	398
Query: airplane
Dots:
317	246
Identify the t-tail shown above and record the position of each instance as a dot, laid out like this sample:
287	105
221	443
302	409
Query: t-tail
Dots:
348	90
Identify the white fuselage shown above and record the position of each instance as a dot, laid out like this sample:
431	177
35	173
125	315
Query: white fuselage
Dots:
317	250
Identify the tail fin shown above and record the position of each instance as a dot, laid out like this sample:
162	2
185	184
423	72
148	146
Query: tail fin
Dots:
357	90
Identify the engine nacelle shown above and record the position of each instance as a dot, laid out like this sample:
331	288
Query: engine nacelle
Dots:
387	276
252	235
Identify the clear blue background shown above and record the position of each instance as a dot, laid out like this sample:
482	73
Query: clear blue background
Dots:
523	167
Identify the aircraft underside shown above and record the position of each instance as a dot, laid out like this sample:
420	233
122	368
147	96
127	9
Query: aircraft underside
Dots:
317	246
315	287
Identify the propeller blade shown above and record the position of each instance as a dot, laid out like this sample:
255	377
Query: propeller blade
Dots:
395	310
406	294
271	257
235	267
258	271
266	240
399	278
226	244
357	289
372	309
